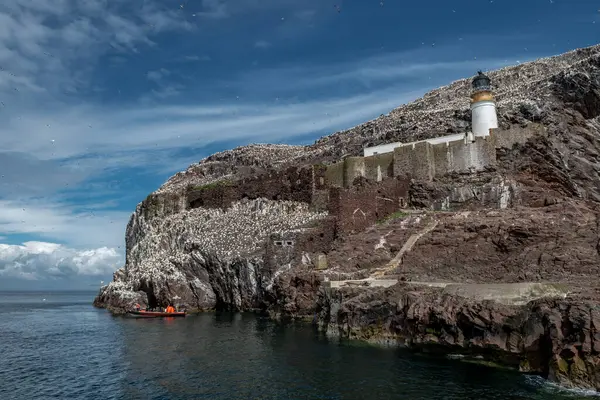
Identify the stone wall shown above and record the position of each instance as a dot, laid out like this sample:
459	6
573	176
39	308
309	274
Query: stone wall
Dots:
516	134
334	175
308	244
425	160
379	167
491	191
343	173
415	161
367	202
293	184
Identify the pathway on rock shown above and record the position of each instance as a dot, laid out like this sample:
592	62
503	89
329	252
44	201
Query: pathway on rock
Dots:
376	279
397	260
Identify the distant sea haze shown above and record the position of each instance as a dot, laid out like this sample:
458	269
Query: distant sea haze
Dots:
56	345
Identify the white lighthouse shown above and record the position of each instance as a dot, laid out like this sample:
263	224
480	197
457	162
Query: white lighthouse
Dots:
483	106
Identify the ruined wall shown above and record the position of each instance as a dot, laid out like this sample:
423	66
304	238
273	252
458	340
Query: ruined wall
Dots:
354	167
334	175
362	205
294	183
429	159
343	173
379	167
425	161
308	244
320	190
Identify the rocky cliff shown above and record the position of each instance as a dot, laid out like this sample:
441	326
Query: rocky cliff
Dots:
215	253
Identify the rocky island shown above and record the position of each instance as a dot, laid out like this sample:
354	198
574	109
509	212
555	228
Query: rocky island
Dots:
413	229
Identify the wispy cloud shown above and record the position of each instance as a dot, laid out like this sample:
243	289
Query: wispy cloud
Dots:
43	42
219	9
193	58
262	44
177	126
63	223
158	75
418	67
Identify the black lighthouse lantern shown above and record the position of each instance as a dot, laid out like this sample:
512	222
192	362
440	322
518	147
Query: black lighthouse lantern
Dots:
481	83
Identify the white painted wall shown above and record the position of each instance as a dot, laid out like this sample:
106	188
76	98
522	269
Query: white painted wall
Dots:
382	148
444	139
389	147
483	117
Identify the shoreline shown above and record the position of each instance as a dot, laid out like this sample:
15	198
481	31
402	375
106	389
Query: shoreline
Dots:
419	336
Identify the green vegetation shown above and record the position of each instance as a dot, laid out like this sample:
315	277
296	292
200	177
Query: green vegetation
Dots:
432	331
562	366
396	215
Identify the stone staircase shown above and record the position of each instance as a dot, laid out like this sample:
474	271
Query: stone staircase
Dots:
378	278
410	243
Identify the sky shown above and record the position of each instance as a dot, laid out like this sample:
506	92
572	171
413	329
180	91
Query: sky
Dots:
101	101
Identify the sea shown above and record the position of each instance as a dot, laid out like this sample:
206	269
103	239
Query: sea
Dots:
56	345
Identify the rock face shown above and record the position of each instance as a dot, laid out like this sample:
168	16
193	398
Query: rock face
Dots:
202	258
248	229
556	338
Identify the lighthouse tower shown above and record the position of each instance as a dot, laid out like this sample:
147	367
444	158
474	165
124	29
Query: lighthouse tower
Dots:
483	106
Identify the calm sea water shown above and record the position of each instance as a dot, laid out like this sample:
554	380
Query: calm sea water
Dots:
63	348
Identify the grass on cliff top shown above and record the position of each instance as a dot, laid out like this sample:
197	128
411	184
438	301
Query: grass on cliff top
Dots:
396	215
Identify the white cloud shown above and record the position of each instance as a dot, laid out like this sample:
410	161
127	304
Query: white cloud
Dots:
51	45
184	126
219	9
60	222
262	44
158	75
44	260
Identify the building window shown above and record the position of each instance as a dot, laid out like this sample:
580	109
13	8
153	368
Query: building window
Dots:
278	243
289	243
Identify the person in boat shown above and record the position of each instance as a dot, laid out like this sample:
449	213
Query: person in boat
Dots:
170	309
137	307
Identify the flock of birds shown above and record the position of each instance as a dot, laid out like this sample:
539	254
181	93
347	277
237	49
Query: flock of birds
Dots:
236	233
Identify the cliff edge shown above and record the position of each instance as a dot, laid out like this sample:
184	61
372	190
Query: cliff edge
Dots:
489	249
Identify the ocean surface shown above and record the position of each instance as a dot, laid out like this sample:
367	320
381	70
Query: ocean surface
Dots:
55	345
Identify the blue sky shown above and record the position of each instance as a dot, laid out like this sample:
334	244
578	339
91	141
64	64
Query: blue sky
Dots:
102	101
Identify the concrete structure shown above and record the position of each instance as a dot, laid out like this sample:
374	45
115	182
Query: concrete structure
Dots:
483	106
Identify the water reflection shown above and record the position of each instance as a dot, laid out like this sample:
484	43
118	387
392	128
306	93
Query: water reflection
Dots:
239	356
